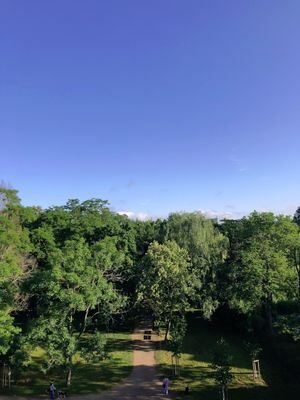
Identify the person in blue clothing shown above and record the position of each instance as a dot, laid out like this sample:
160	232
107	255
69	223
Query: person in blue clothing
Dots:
52	390
166	383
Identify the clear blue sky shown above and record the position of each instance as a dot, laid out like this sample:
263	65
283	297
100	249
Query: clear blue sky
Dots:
157	106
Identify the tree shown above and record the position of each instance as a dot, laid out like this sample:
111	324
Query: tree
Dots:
221	366
292	245
259	273
175	344
296	218
207	249
72	290
167	282
15	265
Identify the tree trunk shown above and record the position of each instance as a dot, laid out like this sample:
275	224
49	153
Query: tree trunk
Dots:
167	330
69	371
69	376
9	378
223	393
177	366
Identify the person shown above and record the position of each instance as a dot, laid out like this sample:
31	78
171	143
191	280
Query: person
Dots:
166	383
52	390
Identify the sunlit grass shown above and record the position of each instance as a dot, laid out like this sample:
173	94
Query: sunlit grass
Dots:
196	371
86	378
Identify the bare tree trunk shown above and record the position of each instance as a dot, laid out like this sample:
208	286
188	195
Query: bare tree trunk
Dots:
9	377
177	366
167	330
69	376
69	371
223	393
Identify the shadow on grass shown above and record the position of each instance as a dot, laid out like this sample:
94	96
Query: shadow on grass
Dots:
143	383
279	373
201	382
86	378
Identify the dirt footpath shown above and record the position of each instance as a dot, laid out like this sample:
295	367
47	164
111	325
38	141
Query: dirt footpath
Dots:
143	382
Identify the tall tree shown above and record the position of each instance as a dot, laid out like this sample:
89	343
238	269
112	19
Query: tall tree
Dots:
72	290
207	249
260	273
15	265
221	366
167	282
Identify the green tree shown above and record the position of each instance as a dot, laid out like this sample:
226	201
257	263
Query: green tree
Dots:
175	343
15	265
72	290
167	282
296	218
292	245
259	272
207	249
221	366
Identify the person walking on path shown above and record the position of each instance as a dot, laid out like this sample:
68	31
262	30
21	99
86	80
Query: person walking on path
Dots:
166	383
52	390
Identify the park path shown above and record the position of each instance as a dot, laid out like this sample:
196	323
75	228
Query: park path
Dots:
143	383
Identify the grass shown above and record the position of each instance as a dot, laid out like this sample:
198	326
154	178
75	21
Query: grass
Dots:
196	372
86	378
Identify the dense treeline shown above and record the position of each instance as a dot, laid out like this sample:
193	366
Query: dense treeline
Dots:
80	267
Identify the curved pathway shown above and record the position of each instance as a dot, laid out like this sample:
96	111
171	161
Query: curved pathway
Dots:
142	384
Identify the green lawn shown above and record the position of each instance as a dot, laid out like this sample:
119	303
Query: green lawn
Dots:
195	368
86	378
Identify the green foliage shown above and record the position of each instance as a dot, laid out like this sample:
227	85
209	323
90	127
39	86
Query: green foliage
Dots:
221	366
196	366
52	334
94	350
207	249
253	349
177	334
289	325
87	378
221	356
8	331
76	268
72	290
167	281
14	266
296	218
259	269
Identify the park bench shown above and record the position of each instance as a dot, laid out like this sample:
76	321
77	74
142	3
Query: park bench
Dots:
147	335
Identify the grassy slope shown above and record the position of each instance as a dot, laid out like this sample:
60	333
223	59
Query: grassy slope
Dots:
86	378
197	374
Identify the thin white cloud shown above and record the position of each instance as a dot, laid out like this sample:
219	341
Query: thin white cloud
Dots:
219	215
142	216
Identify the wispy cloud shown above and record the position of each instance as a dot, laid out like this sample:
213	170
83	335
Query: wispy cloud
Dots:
215	214
142	216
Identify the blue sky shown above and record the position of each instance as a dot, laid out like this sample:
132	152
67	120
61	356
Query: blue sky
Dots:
156	106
